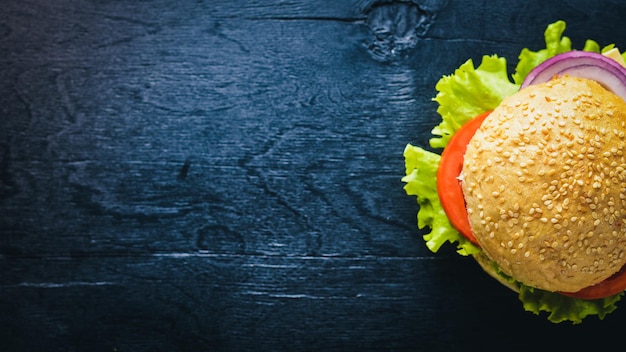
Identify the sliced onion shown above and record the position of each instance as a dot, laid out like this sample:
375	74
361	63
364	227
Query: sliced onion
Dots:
597	67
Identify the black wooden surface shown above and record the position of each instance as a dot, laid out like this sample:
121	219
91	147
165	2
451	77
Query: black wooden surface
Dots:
225	175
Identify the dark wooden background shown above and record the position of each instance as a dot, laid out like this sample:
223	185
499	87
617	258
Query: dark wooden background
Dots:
225	175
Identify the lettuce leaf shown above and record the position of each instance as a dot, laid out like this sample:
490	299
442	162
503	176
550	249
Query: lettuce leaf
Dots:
562	308
421	173
555	44
461	96
469	92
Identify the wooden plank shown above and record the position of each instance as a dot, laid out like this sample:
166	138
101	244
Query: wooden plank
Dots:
230	302
225	175
115	160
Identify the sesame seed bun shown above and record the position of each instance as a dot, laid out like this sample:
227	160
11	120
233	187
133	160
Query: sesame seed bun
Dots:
544	179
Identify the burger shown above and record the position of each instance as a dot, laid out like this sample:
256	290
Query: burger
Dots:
531	181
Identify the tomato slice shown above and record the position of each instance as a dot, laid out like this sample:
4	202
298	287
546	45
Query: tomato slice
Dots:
609	287
448	183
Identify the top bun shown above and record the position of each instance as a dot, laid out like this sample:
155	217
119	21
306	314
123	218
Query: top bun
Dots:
544	179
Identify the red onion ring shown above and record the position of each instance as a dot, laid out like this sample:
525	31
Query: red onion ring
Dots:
590	65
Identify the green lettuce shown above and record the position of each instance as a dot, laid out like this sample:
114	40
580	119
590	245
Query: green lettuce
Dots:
556	44
561	308
462	95
467	93
421	171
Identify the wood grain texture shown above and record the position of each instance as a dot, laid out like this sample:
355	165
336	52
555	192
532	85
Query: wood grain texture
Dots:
225	175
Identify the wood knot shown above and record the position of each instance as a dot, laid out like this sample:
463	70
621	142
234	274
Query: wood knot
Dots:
395	27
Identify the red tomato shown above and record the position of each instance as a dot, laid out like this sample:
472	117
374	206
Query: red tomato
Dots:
448	184
609	287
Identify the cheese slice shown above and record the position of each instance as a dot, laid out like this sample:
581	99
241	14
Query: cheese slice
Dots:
615	55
